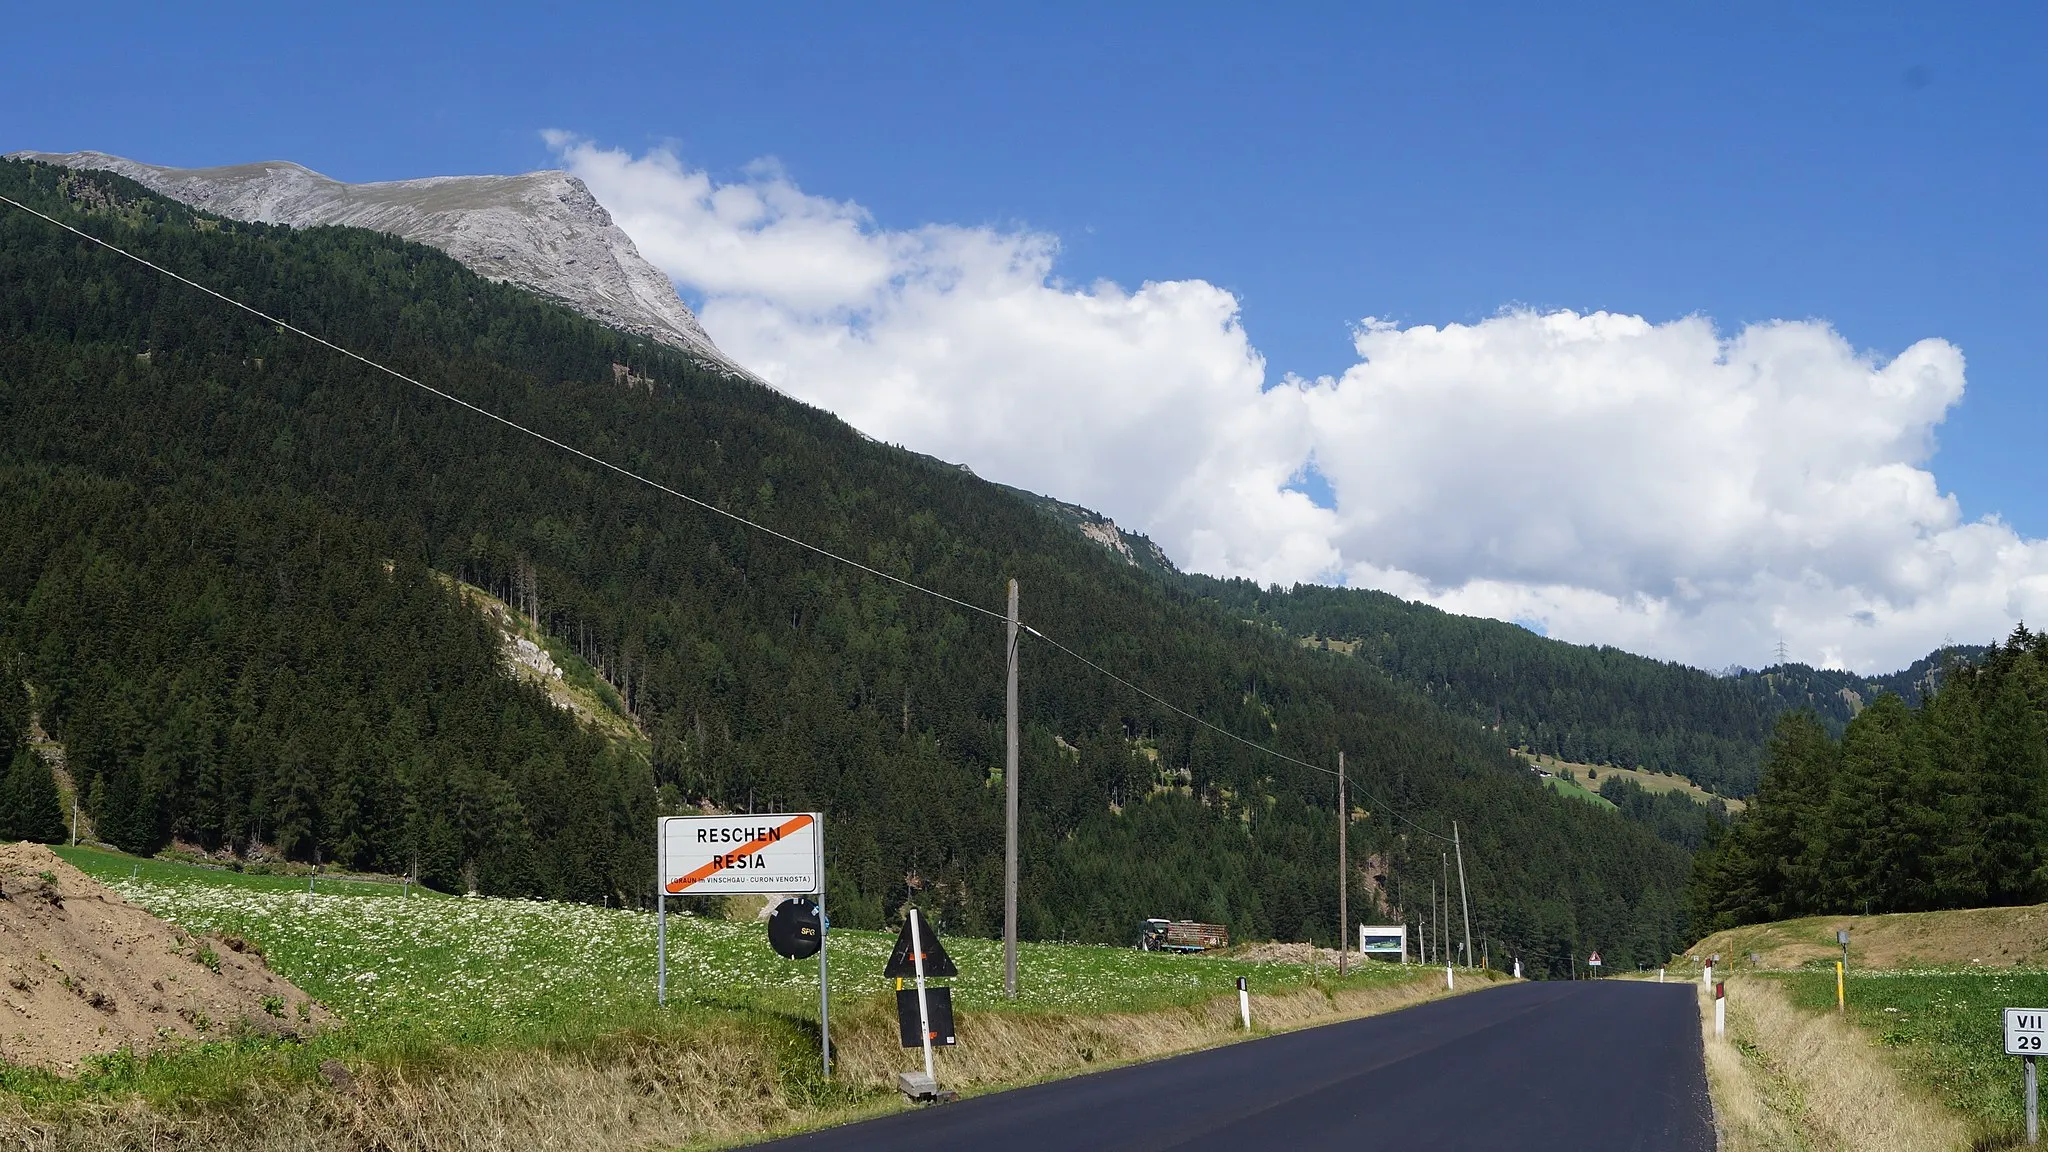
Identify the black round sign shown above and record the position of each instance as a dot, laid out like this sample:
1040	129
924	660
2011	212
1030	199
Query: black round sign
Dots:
793	929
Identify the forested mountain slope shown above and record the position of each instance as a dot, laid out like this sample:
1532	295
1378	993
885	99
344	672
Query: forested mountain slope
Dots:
1587	704
197	511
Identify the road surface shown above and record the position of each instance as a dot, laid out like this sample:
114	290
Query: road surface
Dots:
1610	1065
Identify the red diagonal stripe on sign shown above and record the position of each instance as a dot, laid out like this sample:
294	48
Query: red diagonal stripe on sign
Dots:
724	859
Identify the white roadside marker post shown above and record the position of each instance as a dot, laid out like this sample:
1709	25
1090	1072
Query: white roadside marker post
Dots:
1720	1010
1244	1004
1450	984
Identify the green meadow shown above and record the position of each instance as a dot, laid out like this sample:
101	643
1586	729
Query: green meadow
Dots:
421	978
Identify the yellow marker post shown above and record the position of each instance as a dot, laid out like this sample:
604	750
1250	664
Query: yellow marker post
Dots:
1841	1000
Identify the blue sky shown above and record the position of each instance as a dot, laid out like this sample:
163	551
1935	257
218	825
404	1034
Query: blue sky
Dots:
1875	167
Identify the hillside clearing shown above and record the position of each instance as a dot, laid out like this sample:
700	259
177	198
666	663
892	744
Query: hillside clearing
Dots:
1565	787
1588	776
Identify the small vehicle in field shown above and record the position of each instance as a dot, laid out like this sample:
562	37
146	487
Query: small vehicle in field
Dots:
1181	936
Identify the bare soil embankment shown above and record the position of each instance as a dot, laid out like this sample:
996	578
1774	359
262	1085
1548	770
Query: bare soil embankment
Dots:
83	971
1987	936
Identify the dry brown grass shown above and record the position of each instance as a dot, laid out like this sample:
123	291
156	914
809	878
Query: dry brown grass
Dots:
1988	936
711	1086
1785	1080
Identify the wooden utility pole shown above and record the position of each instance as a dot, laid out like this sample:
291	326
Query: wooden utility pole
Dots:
1343	874
1463	902
1428	931
1444	914
1010	814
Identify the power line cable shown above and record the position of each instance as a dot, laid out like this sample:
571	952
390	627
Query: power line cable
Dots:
509	423
1221	731
704	504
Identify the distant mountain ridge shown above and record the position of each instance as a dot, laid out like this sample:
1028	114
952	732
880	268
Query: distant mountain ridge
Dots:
1836	696
539	230
1583	703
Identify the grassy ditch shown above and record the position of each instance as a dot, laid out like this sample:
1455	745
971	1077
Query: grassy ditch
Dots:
1945	1031
483	1023
1787	1078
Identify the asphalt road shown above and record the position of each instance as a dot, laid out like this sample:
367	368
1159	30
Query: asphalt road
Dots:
1541	1066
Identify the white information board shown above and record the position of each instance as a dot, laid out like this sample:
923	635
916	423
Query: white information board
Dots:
1383	940
2026	1031
727	855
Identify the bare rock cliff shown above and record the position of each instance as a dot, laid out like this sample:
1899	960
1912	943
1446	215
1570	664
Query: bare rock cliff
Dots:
541	230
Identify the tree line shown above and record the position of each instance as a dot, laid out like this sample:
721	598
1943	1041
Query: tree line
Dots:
29	807
1943	805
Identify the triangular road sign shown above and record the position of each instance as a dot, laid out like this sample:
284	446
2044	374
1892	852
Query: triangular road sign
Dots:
936	962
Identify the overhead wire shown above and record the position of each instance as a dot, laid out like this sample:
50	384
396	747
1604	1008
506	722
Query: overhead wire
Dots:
1170	706
507	422
708	506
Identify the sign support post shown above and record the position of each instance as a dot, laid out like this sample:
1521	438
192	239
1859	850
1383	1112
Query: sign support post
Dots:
824	968
2033	1105
660	946
2026	1035
924	1021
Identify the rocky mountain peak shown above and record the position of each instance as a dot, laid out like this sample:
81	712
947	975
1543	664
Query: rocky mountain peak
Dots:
540	230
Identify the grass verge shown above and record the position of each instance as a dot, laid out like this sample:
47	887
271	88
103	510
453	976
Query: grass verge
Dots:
1788	1077
1945	1030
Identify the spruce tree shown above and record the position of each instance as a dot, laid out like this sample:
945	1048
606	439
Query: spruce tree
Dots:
2014	784
29	806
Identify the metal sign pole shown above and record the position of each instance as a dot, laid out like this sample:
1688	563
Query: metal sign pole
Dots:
824	967
660	915
924	1024
824	982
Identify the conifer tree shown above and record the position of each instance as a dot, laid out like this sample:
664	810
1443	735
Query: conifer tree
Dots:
29	805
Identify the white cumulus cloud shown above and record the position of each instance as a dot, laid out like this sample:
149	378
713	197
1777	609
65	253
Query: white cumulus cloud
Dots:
1664	487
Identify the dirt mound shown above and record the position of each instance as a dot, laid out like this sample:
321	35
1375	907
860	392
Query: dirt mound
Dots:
1277	953
84	971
